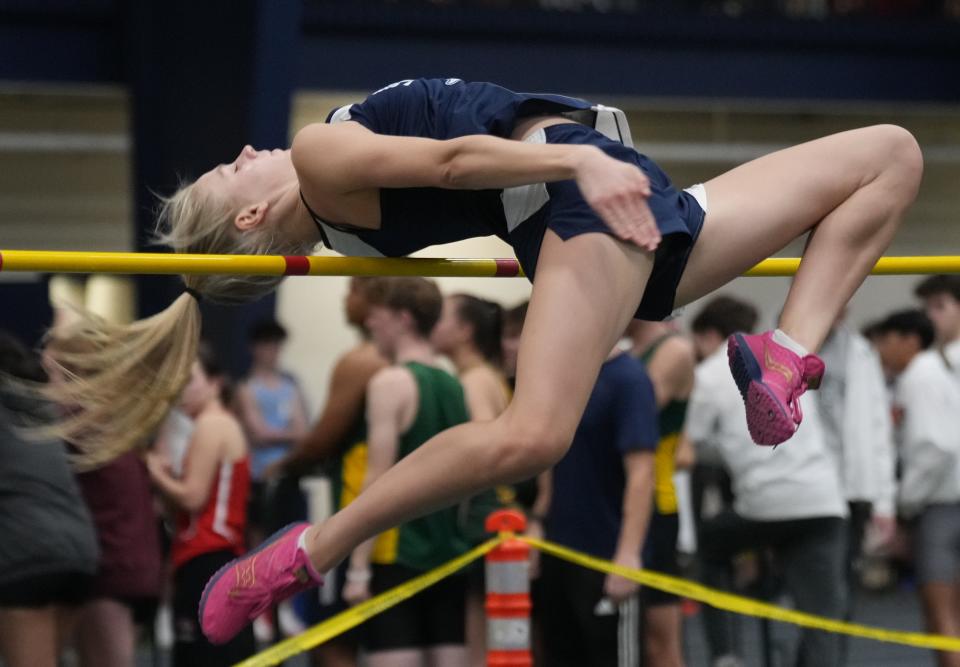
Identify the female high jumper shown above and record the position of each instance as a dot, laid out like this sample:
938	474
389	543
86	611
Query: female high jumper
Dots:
598	228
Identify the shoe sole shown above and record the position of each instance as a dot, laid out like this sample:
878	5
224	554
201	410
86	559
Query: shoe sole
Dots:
223	570
767	420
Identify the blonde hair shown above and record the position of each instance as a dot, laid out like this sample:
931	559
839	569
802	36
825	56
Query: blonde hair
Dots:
118	382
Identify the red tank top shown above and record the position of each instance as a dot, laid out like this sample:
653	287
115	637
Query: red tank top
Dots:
221	524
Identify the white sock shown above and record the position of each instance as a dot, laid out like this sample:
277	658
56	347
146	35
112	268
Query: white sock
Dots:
783	339
302	545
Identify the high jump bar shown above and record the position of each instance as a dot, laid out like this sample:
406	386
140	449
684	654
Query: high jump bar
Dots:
55	261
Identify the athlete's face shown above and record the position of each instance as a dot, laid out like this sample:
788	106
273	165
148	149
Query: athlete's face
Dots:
450	331
201	389
944	311
355	304
386	327
253	177
266	354
510	347
896	350
706	343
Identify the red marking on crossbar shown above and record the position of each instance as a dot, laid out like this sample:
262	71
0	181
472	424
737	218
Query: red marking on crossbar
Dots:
506	658
507	268
297	265
1	261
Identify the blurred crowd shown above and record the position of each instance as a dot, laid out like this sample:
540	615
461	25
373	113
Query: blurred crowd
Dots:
662	474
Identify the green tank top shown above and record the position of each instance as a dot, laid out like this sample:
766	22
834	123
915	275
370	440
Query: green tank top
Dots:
671	419
432	540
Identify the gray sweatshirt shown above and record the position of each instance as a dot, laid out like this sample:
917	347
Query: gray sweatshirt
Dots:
44	523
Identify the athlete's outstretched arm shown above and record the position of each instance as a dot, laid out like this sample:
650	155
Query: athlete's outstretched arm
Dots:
347	157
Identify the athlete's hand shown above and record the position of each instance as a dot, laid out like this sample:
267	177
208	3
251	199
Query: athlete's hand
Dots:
616	587
880	534
618	191
356	590
157	465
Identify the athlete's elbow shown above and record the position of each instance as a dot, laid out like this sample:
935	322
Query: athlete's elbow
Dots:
457	165
453	174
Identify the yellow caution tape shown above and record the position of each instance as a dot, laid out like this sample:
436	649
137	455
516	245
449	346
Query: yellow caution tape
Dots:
742	605
737	604
354	616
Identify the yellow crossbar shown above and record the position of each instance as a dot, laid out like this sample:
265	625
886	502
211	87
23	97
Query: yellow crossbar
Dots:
52	261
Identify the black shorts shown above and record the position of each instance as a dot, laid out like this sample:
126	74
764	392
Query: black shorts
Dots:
580	626
69	589
434	617
561	208
275	504
660	555
190	646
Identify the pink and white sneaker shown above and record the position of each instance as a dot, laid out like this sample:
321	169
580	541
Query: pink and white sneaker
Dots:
246	587
771	380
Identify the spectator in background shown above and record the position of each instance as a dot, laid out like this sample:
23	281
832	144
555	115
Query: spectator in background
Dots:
339	438
408	403
525	492
129	580
469	332
42	581
600	500
512	326
855	407
927	400
788	500
941	301
272	412
271	408
669	360
210	500
711	487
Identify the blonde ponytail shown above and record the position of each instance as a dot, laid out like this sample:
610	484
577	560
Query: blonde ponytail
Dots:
116	383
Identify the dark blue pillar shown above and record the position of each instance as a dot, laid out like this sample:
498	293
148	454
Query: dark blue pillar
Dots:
205	79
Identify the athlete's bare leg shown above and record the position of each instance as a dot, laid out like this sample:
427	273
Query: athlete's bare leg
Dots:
663	635
585	293
851	189
940	609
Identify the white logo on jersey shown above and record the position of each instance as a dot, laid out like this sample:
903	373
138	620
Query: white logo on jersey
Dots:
451	82
404	82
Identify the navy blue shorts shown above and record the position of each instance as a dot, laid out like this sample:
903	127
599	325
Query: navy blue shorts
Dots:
660	555
531	210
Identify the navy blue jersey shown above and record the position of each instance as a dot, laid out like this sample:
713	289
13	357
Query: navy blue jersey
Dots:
414	218
588	484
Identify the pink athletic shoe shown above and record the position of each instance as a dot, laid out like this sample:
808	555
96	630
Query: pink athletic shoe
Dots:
771	379
246	587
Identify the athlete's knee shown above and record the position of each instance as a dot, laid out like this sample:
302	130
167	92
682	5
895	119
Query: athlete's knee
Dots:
903	157
527	448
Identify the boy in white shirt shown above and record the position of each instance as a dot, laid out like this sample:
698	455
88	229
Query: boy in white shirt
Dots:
927	400
788	500
855	407
941	302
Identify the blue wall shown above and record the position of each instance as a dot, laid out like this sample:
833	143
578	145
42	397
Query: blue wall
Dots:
358	46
